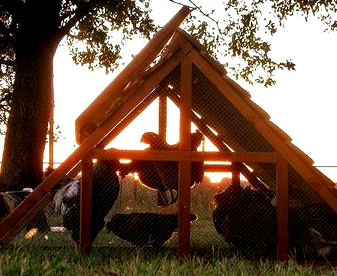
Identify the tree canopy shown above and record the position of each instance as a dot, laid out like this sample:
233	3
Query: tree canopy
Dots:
236	32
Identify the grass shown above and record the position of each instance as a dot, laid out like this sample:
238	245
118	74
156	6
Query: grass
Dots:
29	260
115	257
55	254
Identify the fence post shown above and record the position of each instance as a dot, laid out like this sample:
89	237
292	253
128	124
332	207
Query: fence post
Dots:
86	206
184	190
282	208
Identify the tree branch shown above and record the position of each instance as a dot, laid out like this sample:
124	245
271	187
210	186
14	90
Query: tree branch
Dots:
80	13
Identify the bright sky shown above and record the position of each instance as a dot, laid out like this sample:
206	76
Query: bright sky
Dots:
302	103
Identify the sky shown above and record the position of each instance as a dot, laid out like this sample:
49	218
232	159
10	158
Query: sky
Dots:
302	103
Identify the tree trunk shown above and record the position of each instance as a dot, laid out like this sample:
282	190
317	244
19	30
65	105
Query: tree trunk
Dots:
36	41
28	121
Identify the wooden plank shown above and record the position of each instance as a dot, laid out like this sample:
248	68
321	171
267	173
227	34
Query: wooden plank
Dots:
183	155
134	69
282	208
322	186
218	168
85	245
162	116
184	191
184	210
18	225
236	174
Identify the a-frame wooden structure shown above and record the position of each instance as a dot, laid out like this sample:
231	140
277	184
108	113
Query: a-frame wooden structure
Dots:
206	96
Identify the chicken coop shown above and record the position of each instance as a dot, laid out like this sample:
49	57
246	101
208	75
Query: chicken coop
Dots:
272	203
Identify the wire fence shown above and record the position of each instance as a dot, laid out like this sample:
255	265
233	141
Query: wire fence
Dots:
135	203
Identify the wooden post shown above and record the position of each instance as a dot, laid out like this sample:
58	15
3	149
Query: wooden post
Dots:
184	192
86	207
235	174
282	208
162	116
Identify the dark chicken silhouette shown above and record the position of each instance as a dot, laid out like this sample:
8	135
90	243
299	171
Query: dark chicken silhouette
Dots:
247	219
163	175
10	199
66	198
145	229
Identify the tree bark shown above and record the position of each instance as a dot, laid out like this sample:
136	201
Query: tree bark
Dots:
35	45
28	121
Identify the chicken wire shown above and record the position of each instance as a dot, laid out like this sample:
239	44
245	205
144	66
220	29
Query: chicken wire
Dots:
135	204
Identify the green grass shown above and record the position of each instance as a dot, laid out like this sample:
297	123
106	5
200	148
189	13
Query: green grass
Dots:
55	253
115	257
30	260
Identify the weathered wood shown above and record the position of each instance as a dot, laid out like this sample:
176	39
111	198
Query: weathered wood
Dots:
236	174
85	245
184	191
132	71
162	116
322	186
18	225
177	155
282	208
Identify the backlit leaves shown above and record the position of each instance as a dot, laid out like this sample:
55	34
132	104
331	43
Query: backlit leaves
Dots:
237	32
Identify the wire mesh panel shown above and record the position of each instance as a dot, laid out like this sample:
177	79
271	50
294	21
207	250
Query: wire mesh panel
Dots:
135	204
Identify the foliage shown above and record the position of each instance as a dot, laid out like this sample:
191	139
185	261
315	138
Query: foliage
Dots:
237	32
96	31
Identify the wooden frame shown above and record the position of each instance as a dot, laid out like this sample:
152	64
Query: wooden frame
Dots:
184	191
184	157
131	92
85	243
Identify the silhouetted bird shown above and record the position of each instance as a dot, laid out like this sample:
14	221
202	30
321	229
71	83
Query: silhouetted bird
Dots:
145	229
66	197
163	175
10	199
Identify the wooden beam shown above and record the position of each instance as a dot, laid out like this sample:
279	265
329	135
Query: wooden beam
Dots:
162	116
131	72
19	224
85	244
184	191
178	155
236	174
282	208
